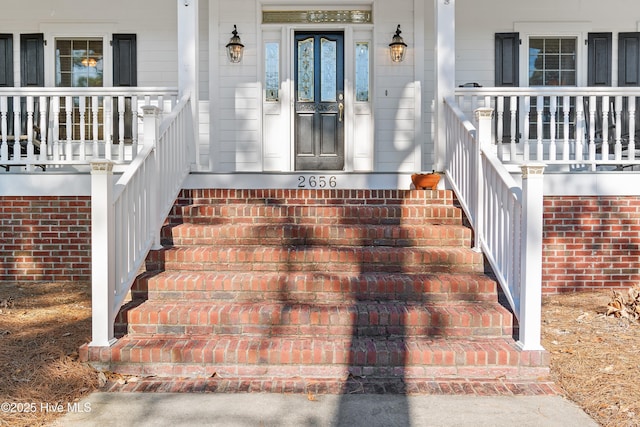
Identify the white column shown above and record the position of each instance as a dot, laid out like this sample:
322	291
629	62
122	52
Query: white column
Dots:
103	281
151	133
531	262
445	72
484	118
188	61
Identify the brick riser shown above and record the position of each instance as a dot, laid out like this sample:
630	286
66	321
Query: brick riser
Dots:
388	319
287	358
325	285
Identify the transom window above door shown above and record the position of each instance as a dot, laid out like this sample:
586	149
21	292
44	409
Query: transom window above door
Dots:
79	62
552	61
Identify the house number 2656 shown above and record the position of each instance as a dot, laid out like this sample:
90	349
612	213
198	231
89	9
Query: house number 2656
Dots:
313	181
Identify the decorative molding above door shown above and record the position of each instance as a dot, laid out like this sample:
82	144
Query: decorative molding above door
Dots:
317	16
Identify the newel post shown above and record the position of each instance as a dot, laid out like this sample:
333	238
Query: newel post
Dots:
531	261
484	118
152	117
103	281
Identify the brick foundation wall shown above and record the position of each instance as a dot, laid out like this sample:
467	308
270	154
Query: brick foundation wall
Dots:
590	243
45	239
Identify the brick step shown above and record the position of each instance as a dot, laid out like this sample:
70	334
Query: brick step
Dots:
352	385
320	235
239	213
388	319
338	358
283	197
327	259
317	287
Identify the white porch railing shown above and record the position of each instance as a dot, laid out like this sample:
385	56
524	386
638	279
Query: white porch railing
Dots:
45	126
506	218
567	128
127	217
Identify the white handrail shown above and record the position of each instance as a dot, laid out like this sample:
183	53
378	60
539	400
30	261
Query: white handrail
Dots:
129	215
506	220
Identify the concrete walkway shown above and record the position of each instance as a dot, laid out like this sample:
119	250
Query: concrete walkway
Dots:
263	409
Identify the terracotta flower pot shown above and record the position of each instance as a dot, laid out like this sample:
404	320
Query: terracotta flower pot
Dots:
424	181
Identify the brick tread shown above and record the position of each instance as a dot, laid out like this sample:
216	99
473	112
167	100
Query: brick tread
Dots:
238	213
389	319
310	258
319	287
321	235
353	385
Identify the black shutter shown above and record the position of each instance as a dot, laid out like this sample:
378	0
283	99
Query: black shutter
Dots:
32	60
507	66
507	59
629	75
600	59
125	70
6	60
629	59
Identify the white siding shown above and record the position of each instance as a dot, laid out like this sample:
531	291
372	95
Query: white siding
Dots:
394	89
154	22
236	136
478	21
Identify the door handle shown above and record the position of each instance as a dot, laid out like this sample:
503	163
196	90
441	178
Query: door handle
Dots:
340	111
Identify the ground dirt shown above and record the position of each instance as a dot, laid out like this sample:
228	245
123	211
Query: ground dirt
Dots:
594	359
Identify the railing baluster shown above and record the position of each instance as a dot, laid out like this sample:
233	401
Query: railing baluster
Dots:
134	126
107	126
17	126
566	110
604	152
55	101
579	130
29	141
43	129
553	104
513	107
631	150
592	131
618	128
525	130
539	127
95	110
82	105
500	126
68	107
121	108
4	148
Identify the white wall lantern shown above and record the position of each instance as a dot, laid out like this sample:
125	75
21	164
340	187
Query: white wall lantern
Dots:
397	47
235	47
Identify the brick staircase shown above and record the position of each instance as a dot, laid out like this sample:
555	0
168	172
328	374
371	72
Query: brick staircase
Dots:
318	286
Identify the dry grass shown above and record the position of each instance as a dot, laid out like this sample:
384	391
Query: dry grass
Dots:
41	328
593	358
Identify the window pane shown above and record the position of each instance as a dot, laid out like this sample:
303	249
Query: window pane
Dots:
328	77
79	63
362	71
272	70
552	61
305	70
552	45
